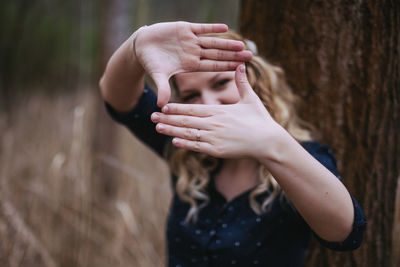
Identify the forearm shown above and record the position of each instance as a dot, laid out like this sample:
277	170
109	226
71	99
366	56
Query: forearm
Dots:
123	80
321	199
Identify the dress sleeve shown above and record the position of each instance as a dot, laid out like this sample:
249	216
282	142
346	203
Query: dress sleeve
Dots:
139	123
325	156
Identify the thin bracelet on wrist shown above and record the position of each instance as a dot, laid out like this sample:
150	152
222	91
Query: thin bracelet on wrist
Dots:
134	35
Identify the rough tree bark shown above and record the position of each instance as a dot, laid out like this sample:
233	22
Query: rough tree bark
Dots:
342	58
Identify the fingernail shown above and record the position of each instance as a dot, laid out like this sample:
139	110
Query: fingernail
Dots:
165	109
175	141
160	127
242	68
155	117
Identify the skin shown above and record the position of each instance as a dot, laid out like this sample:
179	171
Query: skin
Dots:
215	88
225	119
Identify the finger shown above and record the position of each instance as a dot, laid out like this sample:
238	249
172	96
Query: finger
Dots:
197	110
183	133
203	28
163	88
219	43
242	83
220	55
213	65
180	120
193	145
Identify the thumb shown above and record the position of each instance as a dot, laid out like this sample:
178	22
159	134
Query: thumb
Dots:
163	88
242	83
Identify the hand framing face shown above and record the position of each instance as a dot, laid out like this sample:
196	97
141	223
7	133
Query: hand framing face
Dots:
226	131
165	49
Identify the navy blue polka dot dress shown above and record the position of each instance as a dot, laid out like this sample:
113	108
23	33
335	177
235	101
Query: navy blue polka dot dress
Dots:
230	233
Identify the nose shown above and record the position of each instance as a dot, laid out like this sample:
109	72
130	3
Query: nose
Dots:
210	98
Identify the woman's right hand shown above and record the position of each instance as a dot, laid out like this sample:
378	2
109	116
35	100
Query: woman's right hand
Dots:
165	49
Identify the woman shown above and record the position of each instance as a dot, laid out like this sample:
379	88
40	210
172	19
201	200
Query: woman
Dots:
250	185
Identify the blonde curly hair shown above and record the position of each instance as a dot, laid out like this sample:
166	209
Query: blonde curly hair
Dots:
192	169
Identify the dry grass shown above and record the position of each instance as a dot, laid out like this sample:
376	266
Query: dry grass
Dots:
65	202
56	206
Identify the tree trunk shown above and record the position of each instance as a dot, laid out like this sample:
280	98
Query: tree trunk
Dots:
9	48
342	59
115	27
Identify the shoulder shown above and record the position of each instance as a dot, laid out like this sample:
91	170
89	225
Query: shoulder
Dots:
323	154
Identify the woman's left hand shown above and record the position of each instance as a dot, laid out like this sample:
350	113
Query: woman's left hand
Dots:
225	131
246	129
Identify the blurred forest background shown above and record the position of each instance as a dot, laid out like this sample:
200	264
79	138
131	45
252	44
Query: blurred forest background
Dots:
78	190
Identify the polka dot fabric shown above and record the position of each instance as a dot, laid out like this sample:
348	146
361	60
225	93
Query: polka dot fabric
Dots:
231	234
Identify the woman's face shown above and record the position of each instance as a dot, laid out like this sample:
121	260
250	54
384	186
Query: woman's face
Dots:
207	87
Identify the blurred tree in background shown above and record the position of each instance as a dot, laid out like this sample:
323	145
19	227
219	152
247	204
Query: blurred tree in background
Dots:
60	44
75	188
46	44
343	59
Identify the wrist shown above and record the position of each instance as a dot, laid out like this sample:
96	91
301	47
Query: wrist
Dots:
276	145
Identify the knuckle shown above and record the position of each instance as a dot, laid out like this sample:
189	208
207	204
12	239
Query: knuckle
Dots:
217	152
227	44
197	146
215	125
220	54
242	81
202	53
187	133
184	122
219	149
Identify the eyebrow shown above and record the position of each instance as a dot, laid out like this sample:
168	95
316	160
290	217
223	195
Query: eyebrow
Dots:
216	76
211	81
